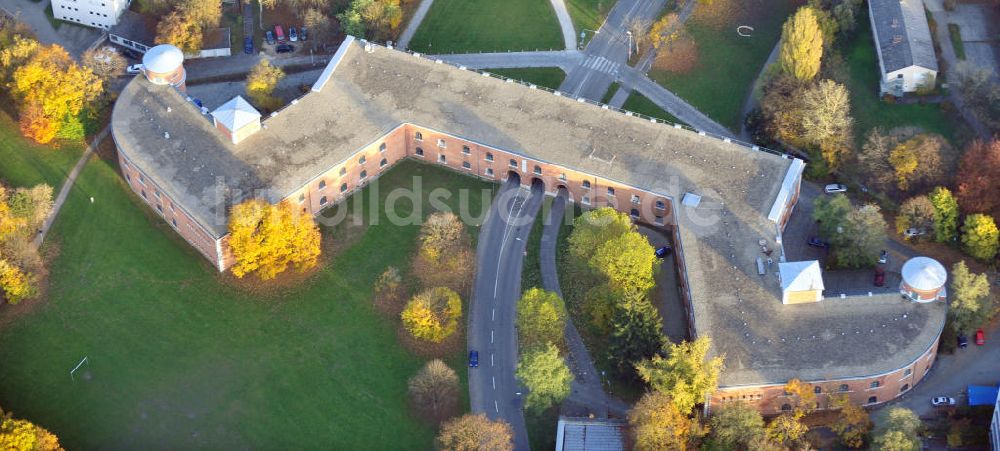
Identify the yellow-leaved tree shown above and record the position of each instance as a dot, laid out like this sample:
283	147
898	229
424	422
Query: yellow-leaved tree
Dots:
433	314
23	435
266	238
801	45
52	91
261	83
22	212
181	31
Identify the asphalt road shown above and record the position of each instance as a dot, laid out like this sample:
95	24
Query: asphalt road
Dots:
493	389
607	53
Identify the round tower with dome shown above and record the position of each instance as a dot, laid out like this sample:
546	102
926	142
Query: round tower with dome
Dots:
923	280
164	65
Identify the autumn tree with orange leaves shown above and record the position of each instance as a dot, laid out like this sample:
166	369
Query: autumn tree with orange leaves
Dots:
979	179
52	90
265	239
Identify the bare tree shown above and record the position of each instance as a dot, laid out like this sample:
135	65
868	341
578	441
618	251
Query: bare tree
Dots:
434	391
105	62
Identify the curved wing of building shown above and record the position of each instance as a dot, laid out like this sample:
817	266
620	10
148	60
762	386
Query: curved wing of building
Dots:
374	106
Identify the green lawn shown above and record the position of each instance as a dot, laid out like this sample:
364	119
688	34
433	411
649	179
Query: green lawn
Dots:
955	32
727	63
611	92
179	360
549	77
463	26
588	14
24	163
638	103
867	109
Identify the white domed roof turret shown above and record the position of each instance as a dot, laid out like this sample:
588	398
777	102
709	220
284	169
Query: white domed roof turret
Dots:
923	273
162	59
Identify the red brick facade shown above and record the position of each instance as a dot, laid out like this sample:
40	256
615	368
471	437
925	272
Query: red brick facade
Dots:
867	391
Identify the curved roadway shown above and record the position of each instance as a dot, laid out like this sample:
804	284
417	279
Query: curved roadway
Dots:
493	388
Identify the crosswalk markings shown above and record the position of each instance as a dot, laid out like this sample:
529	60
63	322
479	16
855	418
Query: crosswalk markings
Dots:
602	64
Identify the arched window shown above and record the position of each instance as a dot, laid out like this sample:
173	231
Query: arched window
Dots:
611	191
489	156
786	407
343	171
538	170
466	165
418	136
513	163
466	150
362	160
302	198
364	175
875	384
343	187
872	399
322	184
382	163
562	176
586	184
420	152
904	388
660	205
322	200
844	387
634	213
381	147
817	389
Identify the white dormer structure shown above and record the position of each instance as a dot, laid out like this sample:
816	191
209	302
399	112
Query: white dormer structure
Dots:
101	14
801	282
236	119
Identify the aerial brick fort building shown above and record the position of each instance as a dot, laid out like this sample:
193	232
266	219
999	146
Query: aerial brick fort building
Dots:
725	204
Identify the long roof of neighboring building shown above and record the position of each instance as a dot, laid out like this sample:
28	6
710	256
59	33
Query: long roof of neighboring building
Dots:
135	27
902	35
369	94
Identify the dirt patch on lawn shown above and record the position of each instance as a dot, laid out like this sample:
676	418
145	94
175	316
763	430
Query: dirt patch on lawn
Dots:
421	348
678	57
10	313
731	13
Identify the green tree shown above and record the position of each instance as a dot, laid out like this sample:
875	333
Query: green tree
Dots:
541	319
433	314
980	237
686	374
945	214
916	212
801	48
599	304
828	24
547	377
970	305
736	426
261	82
594	228
863	237
657	424
830	212
628	262
898	431
636	334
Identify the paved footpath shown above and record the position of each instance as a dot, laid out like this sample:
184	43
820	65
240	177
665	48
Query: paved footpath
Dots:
68	185
415	21
564	59
565	23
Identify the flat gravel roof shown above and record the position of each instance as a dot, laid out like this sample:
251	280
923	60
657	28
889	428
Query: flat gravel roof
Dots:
371	93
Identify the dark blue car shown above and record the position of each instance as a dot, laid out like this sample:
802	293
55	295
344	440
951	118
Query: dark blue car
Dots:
663	251
473	359
248	46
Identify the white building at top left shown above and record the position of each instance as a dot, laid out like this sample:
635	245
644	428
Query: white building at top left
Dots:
101	14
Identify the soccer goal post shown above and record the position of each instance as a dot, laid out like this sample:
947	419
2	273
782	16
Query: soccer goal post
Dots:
72	372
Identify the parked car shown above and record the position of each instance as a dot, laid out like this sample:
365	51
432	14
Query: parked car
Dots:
293	35
473	359
269	37
134	69
816	242
883	258
248	45
284	48
303	34
980	338
662	251
943	401
279	33
835	188
913	232
963	341
879	277
131	54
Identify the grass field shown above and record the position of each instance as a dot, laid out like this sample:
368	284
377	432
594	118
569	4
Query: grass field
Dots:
549	77
727	63
588	14
181	360
868	110
638	103
23	163
464	26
